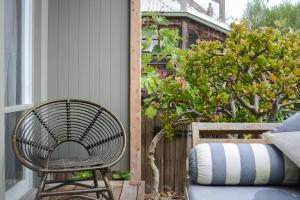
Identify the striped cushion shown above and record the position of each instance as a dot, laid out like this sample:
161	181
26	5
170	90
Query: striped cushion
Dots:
241	164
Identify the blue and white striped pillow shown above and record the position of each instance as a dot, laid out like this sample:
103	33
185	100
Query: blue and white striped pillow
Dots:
241	164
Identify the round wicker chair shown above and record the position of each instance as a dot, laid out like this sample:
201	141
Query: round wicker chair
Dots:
43	128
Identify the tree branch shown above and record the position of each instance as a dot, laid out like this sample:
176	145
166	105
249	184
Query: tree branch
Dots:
246	104
227	112
193	111
256	99
232	105
151	153
287	103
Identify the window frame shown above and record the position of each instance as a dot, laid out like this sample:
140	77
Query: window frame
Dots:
23	186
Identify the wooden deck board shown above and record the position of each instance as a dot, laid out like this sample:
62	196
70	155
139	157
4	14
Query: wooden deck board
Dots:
121	190
129	191
117	188
141	191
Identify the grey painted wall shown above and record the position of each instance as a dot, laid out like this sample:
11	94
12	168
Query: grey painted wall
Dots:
2	141
88	56
37	61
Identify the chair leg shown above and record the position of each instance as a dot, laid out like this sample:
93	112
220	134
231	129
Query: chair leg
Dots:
107	183
41	187
95	182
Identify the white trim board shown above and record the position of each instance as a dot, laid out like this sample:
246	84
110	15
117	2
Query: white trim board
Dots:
24	185
17	108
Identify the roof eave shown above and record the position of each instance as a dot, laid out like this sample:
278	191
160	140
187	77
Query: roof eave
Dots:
210	23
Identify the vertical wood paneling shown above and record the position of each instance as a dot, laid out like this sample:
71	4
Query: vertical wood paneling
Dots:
124	62
37	21
115	43
73	48
63	49
53	49
39	55
73	18
104	54
53	41
63	56
84	50
42	28
2	134
89	55
94	50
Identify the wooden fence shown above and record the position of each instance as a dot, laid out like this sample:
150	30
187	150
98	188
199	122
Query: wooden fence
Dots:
170	156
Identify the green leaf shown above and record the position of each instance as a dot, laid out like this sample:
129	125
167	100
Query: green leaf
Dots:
151	84
146	44
83	174
125	174
148	69
116	176
150	112
156	49
148	32
161	20
121	175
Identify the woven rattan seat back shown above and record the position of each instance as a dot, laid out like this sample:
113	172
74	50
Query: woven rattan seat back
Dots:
44	127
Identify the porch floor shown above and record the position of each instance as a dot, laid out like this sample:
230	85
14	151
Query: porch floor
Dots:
122	190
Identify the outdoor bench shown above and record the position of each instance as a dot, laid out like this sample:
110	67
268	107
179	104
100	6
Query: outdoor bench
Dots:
225	168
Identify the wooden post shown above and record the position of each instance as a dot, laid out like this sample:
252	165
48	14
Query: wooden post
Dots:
184	34
135	92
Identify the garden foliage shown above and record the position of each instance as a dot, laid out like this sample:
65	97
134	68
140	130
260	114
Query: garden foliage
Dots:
284	15
253	76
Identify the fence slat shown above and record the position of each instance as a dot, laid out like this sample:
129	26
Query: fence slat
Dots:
170	156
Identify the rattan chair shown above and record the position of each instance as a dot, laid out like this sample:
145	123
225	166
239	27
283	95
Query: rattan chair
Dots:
45	127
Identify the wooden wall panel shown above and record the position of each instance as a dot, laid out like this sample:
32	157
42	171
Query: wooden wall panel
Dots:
84	50
73	42
53	49
2	142
88	56
105	53
63	49
124	44
94	50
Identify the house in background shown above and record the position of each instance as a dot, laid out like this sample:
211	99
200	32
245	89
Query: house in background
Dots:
81	49
193	21
212	8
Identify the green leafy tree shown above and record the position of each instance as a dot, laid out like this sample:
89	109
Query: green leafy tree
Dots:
259	69
285	15
254	13
253	76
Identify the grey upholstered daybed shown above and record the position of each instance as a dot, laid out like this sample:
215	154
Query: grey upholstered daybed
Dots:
200	192
235	169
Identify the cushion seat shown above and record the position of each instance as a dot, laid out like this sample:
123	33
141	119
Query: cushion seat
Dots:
202	192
